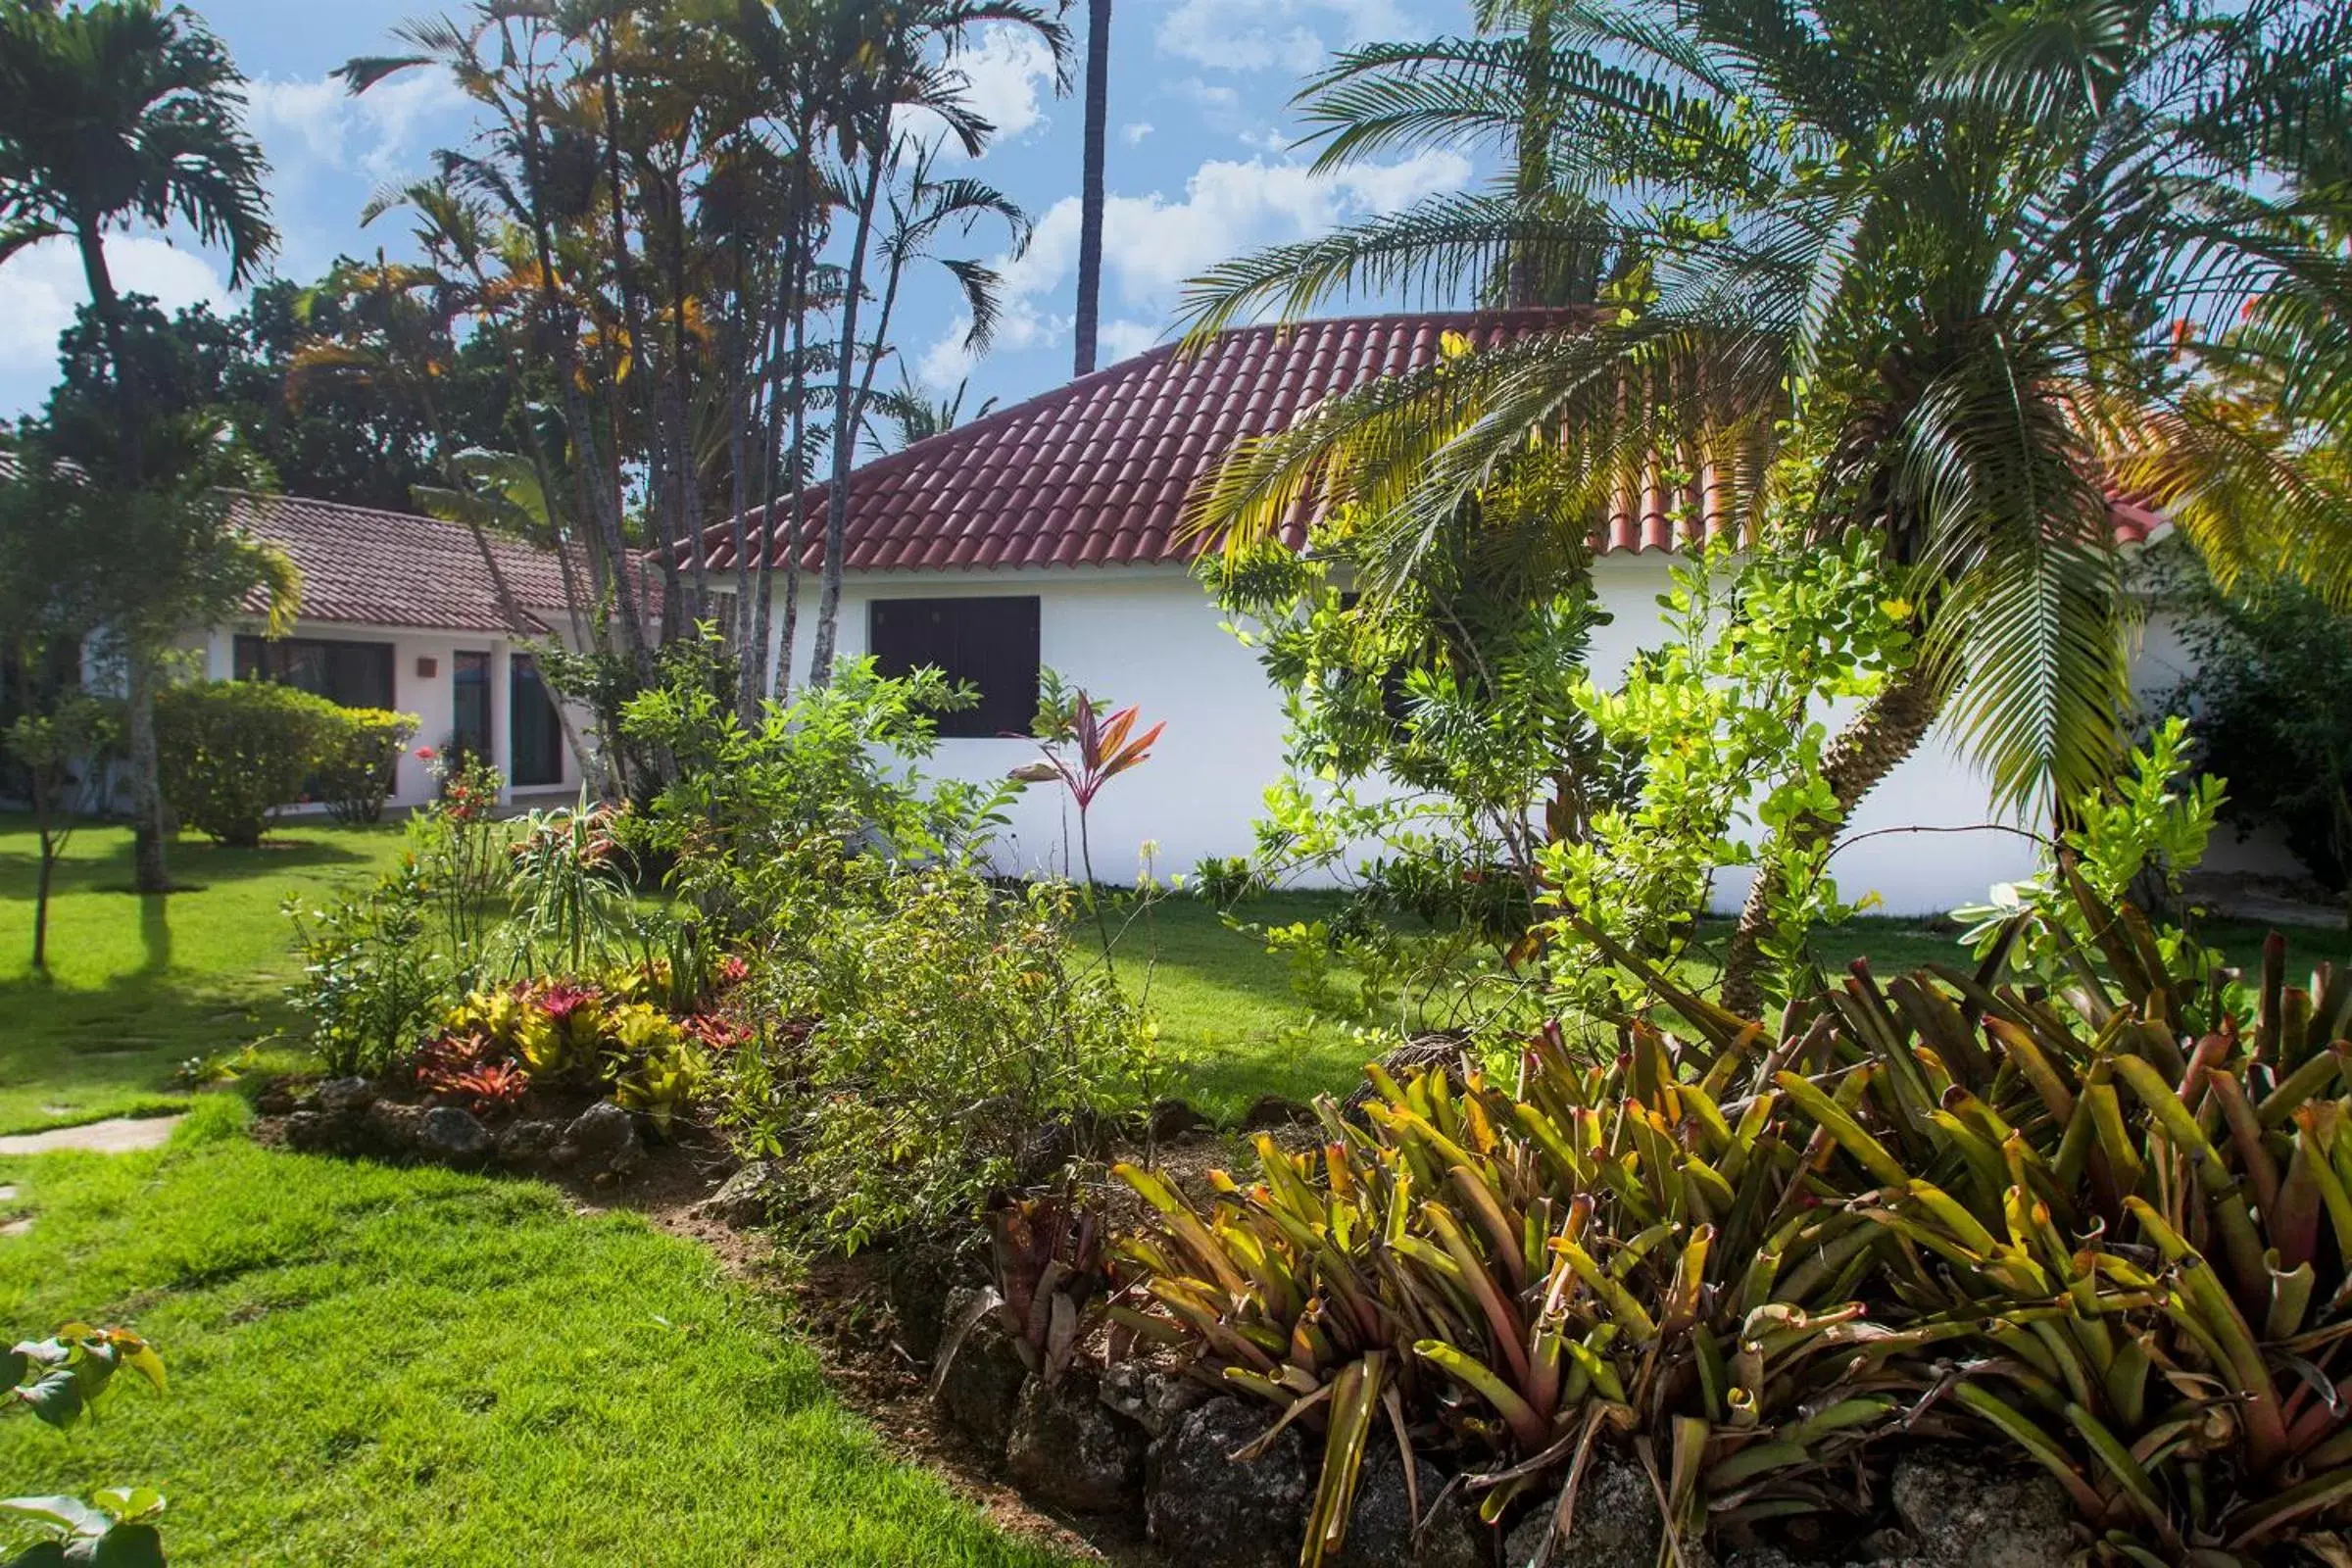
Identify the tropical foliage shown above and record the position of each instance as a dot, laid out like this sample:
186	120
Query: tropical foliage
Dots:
1965	260
60	1380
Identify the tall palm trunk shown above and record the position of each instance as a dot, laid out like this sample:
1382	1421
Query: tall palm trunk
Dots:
1887	730
151	871
1090	221
848	406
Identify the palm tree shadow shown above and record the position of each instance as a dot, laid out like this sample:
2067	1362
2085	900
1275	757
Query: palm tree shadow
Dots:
155	932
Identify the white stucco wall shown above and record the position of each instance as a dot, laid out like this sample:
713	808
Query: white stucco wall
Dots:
1150	636
431	698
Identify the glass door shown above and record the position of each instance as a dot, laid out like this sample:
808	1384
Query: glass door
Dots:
469	708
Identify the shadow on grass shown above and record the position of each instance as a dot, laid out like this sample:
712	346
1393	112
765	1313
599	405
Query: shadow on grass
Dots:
69	1054
195	864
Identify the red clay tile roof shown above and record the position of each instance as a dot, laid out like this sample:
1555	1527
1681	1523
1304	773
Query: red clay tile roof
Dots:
1096	472
394	569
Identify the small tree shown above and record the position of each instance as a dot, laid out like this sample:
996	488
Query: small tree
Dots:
62	753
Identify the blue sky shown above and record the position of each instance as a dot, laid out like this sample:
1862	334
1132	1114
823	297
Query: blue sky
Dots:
1200	167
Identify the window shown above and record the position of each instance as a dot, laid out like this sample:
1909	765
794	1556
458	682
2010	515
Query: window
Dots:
469	708
535	733
350	675
987	643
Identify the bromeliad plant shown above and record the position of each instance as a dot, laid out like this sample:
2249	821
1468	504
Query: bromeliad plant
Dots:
2145	1219
2108	1222
1613	1251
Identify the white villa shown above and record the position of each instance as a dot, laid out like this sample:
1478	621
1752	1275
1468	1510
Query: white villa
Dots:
397	612
1050	533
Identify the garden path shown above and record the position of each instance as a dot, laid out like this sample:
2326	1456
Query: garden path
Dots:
115	1136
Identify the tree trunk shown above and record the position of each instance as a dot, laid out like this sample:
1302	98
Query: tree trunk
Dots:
846	415
1887	730
1090	222
149	871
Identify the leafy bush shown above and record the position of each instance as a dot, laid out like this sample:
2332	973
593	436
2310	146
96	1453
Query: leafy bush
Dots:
235	751
921	1038
358	760
62	1380
2270	705
571	898
2105	1223
837	766
461	847
601	1033
372	980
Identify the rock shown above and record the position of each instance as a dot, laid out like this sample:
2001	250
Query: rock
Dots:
391	1128
526	1145
450	1136
1047	1152
979	1386
1220	1513
602	1141
742	1199
312	1131
1962	1513
275	1101
1381	1525
1171	1119
919	1277
342	1096
1148	1396
1068	1448
1269	1111
1616	1525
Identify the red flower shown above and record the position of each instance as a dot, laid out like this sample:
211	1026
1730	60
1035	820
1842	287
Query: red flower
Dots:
426	753
561	999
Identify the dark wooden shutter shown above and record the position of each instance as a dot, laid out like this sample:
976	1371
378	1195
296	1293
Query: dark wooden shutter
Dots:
991	644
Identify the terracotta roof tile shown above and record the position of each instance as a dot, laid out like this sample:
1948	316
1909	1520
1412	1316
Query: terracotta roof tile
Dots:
394	569
1098	472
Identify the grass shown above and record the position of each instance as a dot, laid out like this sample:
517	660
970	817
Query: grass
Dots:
140	984
382	1366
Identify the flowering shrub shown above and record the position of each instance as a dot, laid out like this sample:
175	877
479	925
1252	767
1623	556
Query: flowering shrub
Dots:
604	1033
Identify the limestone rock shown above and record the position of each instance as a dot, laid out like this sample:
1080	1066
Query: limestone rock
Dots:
979	1386
1219	1512
1066	1447
450	1134
526	1145
1381	1525
742	1200
1151	1397
1963	1514
1616	1525
602	1141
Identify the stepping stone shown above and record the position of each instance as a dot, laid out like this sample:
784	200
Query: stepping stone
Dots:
16	1227
119	1135
7	1195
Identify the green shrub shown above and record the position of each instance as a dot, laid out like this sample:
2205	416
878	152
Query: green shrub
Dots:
373	982
2106	1223
358	762
235	751
921	1037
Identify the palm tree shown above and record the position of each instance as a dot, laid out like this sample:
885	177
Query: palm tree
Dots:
917	416
1089	200
1952	260
110	113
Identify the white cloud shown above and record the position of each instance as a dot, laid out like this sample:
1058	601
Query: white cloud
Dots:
313	125
1151	244
1124	339
41	287
1007	75
1135	132
1261	34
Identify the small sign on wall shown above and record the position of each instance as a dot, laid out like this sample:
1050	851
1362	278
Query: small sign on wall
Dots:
428	666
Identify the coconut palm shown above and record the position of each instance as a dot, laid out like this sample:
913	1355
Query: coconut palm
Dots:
112	112
1951	259
1090	194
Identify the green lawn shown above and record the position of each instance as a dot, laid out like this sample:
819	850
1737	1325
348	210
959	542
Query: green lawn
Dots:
381	1366
140	984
